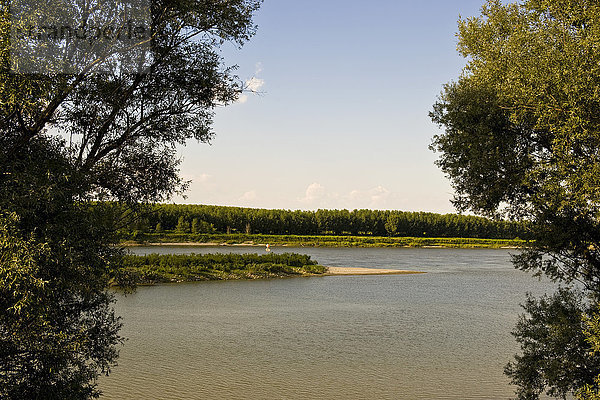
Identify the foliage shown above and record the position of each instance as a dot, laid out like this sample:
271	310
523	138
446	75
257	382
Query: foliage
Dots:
556	356
590	392
182	225
155	268
592	332
123	124
326	222
58	331
98	130
522	135
522	140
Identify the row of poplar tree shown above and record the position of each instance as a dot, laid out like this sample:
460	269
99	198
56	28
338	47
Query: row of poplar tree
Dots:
201	219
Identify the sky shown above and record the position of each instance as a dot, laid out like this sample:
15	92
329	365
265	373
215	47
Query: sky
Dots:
340	119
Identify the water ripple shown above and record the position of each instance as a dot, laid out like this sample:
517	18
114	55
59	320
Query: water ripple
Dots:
443	335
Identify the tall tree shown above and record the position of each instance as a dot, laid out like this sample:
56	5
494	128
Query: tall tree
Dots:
522	134
91	121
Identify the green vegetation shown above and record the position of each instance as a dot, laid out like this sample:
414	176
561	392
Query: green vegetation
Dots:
156	268
106	129
522	140
328	228
557	357
201	219
319	241
592	333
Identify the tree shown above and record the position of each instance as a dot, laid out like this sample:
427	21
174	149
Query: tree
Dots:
557	357
391	225
99	123
183	226
592	333
57	329
522	137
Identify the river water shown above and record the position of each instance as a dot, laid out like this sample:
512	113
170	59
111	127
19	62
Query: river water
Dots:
440	335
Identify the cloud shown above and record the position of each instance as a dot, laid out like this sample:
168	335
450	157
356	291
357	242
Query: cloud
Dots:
255	84
314	192
248	196
317	196
201	182
376	198
203	178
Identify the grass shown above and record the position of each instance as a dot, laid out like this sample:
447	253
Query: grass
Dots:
322	241
155	268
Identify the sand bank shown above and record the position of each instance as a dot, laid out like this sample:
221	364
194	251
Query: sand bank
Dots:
368	271
194	244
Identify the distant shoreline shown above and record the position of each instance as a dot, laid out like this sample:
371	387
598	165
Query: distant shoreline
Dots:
335	242
205	244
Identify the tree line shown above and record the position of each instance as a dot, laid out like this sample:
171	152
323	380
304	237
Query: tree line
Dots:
199	219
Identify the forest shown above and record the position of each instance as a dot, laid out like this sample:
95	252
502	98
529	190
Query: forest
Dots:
207	219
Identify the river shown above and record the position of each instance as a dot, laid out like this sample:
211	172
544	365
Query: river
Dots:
440	335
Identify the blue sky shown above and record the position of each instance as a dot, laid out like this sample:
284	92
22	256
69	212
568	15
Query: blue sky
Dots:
342	118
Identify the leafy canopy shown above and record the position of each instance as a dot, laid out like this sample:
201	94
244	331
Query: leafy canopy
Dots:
592	333
97	123
522	139
522	133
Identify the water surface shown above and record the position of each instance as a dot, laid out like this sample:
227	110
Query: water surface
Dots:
440	335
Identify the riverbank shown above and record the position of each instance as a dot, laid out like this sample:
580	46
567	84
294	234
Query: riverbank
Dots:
170	268
184	239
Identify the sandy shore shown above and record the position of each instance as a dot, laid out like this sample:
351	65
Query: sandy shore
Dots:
368	271
193	244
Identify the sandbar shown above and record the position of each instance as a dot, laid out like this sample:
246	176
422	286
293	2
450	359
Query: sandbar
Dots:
334	271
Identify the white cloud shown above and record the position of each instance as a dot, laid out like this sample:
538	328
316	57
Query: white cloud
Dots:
378	197
373	198
203	178
248	196
254	84
203	183
314	192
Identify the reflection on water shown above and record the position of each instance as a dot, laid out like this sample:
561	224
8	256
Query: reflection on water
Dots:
441	335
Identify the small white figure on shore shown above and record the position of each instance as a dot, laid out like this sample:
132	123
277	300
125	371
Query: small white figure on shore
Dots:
268	249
